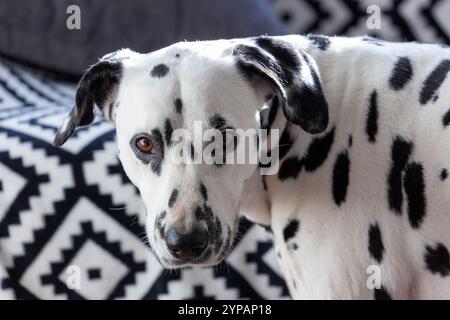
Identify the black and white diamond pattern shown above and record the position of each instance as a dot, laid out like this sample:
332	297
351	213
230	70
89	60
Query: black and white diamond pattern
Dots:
411	20
72	211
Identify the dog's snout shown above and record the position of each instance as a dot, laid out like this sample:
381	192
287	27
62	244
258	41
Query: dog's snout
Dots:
188	245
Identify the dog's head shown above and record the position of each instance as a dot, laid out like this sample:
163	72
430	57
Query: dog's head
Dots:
192	206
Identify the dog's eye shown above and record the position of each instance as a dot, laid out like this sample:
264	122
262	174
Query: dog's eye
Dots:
144	145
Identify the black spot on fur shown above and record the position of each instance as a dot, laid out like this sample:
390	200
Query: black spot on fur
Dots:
158	139
168	130
437	259
199	214
206	214
444	174
372	118
212	224
322	42
192	152
290	168
315	156
414	183
376	247
446	119
318	151
173	198
227	245
217	122
341	174
291	229
159	70
350	141
178	105
257	142
235	142
204	192
382	294
218	231
434	81
401	74
400	153
285	143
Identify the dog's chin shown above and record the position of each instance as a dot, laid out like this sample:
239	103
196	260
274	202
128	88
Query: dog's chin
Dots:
179	264
205	261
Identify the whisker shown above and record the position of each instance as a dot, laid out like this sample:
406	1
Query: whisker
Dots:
131	205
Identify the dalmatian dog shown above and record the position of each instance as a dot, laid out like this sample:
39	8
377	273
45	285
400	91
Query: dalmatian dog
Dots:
361	188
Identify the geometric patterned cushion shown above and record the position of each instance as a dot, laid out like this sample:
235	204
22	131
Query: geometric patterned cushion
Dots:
401	20
72	225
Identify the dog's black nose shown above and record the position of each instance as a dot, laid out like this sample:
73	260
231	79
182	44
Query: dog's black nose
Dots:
187	246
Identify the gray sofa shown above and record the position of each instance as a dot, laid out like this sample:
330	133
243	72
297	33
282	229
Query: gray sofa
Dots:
36	31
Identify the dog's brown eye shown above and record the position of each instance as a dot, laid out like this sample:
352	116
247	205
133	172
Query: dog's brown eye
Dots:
144	145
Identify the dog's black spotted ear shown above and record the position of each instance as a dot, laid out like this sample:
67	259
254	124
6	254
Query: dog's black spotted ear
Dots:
292	75
97	86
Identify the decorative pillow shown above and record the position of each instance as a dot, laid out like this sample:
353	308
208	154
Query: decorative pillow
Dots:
404	20
36	32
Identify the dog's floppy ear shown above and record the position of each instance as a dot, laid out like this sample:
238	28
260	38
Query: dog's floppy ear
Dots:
292	75
97	86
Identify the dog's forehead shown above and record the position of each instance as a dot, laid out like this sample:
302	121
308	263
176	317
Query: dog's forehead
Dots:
169	65
197	74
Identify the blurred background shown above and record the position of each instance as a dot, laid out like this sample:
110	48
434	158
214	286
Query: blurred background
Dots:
71	224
